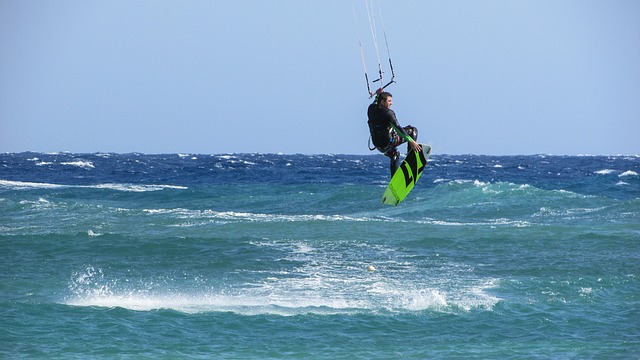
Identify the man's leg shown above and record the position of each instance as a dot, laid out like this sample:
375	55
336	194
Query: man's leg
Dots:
394	156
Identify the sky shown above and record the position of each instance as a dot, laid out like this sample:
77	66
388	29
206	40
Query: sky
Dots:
493	77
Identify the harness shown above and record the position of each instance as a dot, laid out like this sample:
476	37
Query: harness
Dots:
392	138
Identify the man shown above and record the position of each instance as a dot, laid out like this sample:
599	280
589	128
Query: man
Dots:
386	133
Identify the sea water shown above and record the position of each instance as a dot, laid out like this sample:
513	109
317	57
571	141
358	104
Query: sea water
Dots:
269	255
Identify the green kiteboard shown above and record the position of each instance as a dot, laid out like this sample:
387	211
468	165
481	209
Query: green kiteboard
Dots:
406	176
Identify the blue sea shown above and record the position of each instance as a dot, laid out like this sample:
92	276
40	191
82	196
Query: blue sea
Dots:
269	256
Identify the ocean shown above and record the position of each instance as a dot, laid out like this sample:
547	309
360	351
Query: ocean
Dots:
269	256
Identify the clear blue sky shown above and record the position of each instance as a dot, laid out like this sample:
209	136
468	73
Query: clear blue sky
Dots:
481	77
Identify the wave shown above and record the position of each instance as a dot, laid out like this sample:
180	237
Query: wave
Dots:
201	217
24	185
477	203
232	216
485	203
369	297
80	164
490	222
217	302
136	188
490	189
611	171
628	173
257	304
91	233
322	278
474	192
605	171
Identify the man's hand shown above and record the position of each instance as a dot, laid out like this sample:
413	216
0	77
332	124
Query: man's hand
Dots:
415	146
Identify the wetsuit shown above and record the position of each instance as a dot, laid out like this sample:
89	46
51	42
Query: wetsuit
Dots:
387	134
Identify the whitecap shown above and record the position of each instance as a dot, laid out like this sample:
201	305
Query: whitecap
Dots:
42	202
254	217
479	183
243	304
628	173
321	285
135	187
423	299
584	291
492	223
91	233
436	181
80	164
604	172
461	181
23	185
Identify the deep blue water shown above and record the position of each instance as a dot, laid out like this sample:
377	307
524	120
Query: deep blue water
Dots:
267	256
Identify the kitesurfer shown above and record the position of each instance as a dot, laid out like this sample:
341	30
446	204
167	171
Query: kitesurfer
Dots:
386	133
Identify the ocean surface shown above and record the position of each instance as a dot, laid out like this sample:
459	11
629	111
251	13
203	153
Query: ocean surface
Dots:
254	256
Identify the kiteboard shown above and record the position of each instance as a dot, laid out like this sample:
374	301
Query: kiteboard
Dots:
406	176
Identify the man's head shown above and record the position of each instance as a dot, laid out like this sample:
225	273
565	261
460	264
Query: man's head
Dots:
385	99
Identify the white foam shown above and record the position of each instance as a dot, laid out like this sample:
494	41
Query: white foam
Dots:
628	173
439	180
22	185
476	183
211	302
40	203
605	171
318	295
544	211
492	223
80	164
323	278
416	299
254	217
585	291
317	289
135	187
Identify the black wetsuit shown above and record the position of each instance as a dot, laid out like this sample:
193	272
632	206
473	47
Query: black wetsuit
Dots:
387	134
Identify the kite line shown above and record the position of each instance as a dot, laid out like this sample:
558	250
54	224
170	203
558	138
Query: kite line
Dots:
372	25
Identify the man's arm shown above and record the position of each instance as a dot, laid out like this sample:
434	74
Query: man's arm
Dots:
400	131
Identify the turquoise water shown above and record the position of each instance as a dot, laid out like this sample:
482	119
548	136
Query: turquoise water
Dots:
268	256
